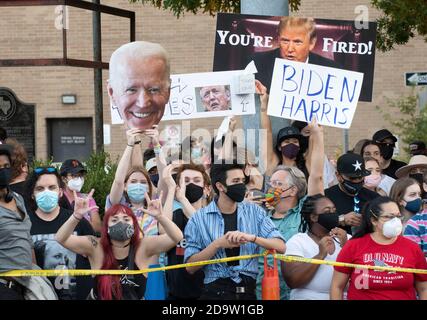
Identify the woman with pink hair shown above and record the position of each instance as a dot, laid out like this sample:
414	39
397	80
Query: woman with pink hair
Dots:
121	247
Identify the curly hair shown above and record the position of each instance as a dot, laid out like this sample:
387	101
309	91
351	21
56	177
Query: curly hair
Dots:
19	157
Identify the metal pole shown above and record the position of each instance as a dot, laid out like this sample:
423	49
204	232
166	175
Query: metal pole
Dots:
266	8
346	143
97	56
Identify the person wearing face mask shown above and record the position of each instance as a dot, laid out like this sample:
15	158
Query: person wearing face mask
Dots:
290	189
292	147
387	142
373	181
406	192
229	227
131	183
371	149
379	242
44	189
192	190
416	227
349	196
121	246
151	167
415	169
72	172
15	239
319	238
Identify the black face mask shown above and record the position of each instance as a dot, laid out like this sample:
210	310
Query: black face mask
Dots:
328	220
418	177
5	175
352	187
154	179
236	192
121	231
386	151
193	192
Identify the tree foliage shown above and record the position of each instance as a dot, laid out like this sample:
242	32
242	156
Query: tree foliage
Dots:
411	122
401	20
178	7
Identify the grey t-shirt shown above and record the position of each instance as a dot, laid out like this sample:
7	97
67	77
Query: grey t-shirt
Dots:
15	238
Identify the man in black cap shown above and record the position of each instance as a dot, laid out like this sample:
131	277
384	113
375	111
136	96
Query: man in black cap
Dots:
349	195
387	143
417	148
15	239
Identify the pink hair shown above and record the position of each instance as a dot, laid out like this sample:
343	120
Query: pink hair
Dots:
109	286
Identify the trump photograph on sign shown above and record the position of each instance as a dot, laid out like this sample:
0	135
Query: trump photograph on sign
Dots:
338	44
213	98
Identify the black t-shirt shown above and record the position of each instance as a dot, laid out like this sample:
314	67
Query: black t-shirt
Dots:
181	284
18	187
51	255
393	167
230	224
133	286
345	203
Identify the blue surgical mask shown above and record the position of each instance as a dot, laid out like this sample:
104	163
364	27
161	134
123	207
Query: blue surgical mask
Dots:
414	206
196	152
47	200
136	192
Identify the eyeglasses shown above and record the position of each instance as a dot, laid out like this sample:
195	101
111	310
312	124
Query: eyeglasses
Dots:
276	184
40	170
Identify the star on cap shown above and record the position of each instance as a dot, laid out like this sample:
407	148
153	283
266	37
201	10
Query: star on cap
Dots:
357	165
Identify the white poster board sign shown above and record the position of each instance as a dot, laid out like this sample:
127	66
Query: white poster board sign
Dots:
300	91
204	95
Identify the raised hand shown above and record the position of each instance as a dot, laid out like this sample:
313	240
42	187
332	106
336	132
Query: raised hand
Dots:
153	134
312	128
232	124
81	204
133	136
154	207
180	192
263	95
167	176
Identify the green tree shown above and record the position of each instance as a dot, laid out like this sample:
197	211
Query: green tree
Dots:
401	20
101	170
178	7
411	123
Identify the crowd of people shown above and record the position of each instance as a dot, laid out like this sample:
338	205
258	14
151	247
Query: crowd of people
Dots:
367	209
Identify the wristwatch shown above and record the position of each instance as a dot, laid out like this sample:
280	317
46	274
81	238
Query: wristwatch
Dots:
341	220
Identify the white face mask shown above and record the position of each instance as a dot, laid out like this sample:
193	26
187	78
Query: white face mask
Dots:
76	184
392	228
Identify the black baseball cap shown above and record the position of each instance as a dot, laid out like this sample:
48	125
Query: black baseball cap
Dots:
417	148
382	134
72	166
286	133
352	166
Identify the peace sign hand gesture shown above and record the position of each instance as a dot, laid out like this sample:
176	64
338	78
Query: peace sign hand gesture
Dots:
81	204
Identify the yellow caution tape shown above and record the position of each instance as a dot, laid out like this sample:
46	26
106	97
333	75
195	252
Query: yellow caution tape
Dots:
349	265
75	272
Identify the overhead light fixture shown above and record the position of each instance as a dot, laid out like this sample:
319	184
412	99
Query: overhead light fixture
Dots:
69	99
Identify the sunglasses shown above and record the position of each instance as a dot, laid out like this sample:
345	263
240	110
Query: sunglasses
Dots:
40	170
